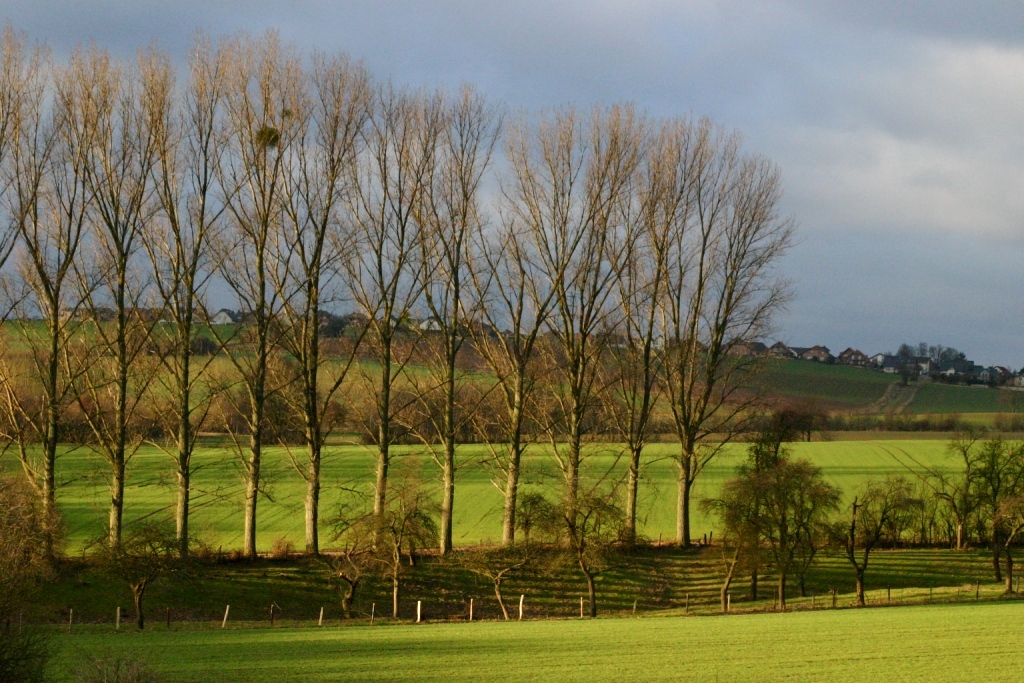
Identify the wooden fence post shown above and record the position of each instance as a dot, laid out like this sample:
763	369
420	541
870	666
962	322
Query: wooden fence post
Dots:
224	623
471	609
373	610
117	620
581	607
686	609
977	589
418	606
728	602
271	615
521	598
71	617
634	607
321	621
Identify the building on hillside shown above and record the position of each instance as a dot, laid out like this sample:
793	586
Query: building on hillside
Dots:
852	356
878	359
817	353
780	350
926	366
892	364
742	348
224	316
959	368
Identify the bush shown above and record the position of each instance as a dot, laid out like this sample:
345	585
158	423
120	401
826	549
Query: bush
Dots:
282	548
115	667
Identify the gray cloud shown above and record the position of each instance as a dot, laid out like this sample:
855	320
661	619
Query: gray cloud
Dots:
896	125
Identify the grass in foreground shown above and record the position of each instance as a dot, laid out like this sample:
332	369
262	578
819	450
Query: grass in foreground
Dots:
947	643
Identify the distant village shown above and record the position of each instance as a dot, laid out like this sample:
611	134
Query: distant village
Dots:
952	367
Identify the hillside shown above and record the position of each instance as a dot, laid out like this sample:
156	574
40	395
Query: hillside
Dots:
865	391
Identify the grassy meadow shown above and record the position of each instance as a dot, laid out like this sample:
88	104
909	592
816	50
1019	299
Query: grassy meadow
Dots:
217	499
938	642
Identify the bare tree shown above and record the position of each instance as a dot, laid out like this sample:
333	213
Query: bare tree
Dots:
188	138
956	487
450	214
513	304
47	201
264	92
1000	476
570	183
385	270
721	290
143	556
660	204
871	514
328	128
498	565
109	116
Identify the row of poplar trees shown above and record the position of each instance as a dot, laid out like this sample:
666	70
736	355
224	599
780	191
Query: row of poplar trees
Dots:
619	257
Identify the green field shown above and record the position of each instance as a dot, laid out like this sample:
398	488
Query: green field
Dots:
217	499
934	398
835	386
938	643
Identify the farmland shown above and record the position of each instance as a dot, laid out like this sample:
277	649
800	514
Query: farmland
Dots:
948	643
84	496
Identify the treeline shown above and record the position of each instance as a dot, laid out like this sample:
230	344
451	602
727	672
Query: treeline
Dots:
779	512
556	277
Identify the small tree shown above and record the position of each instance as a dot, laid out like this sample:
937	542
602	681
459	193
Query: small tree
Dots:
1010	516
589	534
872	514
140	558
497	565
406	524
356	557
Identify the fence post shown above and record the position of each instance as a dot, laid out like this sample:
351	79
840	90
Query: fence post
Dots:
373	610
419	604
224	623
977	589
728	602
71	617
321	621
117	620
581	607
634	607
686	609
168	618
521	598
471	609
271	615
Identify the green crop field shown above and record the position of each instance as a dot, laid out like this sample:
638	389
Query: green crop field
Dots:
938	643
837	386
83	497
945	398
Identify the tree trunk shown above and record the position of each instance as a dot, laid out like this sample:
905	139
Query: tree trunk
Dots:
1009	571
591	594
782	591
996	568
181	509
137	594
312	503
383	434
394	596
860	587
632	486
500	598
683	505
753	584
447	498
116	500
251	496
508	525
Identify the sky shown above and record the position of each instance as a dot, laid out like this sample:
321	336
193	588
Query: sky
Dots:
898	126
